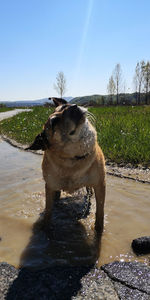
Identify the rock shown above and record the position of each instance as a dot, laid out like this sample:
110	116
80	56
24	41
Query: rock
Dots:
55	283
96	285
7	275
114	281
141	245
52	283
132	274
126	293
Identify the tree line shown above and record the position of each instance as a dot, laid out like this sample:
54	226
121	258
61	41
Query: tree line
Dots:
116	87
141	81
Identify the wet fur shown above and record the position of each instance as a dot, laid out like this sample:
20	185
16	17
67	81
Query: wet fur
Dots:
71	161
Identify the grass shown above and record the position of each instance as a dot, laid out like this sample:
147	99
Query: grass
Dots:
3	109
26	125
123	132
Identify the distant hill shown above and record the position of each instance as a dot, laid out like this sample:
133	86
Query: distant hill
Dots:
29	102
89	100
97	100
93	100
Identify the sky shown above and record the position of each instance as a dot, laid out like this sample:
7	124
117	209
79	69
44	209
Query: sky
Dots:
84	39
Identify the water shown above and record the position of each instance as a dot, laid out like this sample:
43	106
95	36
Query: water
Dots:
70	238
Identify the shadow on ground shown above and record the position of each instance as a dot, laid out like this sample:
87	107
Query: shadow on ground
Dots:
53	263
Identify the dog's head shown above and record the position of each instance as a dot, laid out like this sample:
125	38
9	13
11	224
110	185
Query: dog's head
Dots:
63	126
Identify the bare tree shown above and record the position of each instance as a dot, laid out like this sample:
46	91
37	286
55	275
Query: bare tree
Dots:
111	88
146	79
135	82
60	85
138	78
117	77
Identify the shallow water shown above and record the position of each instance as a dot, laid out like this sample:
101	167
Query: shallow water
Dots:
70	238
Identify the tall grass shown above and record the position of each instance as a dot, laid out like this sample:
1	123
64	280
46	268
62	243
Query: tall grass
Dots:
123	132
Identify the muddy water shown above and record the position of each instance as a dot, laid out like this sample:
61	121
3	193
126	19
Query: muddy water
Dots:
70	237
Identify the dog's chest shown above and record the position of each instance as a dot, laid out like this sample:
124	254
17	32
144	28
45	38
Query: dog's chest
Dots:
66	179
72	183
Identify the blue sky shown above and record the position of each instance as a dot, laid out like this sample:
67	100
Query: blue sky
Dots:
83	38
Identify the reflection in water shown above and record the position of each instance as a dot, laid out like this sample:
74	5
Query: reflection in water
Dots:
70	238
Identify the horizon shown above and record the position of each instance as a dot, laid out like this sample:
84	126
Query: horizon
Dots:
65	97
84	39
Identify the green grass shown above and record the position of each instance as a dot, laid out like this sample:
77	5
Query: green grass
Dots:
26	125
123	132
3	109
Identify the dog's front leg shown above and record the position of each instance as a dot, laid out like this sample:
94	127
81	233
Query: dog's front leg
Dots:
51	196
100	199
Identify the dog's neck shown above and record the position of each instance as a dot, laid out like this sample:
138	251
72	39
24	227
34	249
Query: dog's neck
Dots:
81	157
87	138
87	141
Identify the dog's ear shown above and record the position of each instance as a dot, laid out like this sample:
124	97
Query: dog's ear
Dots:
40	143
53	120
58	101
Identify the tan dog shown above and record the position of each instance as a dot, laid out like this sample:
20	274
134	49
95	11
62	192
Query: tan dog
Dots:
72	157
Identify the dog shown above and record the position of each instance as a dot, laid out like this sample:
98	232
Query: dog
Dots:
72	157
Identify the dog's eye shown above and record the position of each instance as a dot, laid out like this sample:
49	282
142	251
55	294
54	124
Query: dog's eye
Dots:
72	132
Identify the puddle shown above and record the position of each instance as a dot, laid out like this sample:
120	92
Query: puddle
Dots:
70	238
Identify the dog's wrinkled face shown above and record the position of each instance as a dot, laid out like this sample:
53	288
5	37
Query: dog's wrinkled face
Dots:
64	125
67	122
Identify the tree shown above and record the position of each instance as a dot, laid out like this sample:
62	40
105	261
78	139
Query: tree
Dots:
60	85
135	81
117	77
146	79
103	100
111	88
138	78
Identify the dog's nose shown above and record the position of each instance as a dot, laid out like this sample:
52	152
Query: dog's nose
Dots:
73	107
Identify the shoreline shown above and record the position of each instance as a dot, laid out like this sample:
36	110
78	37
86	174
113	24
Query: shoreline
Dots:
128	171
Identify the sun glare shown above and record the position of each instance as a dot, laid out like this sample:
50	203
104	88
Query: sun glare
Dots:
84	36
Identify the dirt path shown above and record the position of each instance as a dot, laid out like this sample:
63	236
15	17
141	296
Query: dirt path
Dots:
11	113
